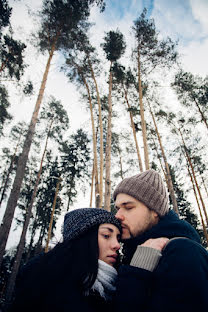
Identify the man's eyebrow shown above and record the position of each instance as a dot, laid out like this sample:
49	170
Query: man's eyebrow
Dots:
126	203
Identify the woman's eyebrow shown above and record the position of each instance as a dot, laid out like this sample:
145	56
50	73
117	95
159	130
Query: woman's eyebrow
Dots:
106	228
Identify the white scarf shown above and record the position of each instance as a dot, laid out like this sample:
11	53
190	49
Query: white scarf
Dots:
105	281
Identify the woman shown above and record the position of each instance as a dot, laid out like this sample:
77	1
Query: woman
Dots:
77	274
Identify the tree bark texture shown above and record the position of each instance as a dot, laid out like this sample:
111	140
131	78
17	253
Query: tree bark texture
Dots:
108	149
97	191
52	214
92	184
101	137
143	123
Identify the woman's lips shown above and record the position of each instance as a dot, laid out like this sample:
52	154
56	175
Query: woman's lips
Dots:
113	257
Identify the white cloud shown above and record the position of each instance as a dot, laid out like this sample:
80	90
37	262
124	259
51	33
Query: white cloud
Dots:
194	57
186	21
174	19
200	12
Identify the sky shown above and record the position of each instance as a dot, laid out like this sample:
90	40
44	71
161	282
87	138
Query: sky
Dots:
183	21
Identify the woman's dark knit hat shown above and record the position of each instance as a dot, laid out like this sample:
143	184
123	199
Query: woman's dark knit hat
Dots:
79	221
147	187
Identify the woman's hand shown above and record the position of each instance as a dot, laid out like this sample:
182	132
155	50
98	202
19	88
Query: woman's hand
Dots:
156	243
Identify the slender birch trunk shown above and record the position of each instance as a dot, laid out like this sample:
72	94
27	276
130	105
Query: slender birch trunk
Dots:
52	214
143	123
39	244
31	240
97	193
134	130
92	183
170	183
107	198
121	166
101	135
14	195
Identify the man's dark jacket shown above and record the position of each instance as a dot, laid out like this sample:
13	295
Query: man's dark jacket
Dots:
180	281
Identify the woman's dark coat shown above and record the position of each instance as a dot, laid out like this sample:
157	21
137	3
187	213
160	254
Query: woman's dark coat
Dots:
180	281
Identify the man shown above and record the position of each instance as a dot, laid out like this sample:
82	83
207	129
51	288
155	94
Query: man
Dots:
180	280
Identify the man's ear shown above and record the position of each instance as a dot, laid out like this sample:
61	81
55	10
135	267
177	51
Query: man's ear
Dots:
155	215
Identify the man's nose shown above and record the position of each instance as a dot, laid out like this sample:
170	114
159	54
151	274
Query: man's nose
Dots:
119	215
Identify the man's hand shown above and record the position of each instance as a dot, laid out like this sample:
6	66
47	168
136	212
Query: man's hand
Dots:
156	243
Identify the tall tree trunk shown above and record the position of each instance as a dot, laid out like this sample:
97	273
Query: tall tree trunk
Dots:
39	245
16	264
194	176
92	183
143	123
120	163
69	194
97	188
52	214
31	240
134	130
170	183
14	195
9	170
101	136
200	213
107	198
20	248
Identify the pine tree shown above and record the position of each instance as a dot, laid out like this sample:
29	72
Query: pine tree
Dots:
114	47
192	92
150	53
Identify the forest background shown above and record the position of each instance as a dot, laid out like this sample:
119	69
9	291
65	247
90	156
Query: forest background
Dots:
126	93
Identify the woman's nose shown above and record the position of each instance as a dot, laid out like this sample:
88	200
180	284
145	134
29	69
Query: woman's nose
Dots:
116	244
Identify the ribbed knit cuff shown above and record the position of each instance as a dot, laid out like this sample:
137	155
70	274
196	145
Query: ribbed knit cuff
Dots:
146	258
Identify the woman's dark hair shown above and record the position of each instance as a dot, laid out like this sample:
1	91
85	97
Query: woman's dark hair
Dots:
65	272
69	268
74	262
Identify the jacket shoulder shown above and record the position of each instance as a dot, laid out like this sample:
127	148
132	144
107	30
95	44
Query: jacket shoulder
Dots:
184	255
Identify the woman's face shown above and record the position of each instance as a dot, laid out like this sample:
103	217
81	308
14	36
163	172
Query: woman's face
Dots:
108	243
